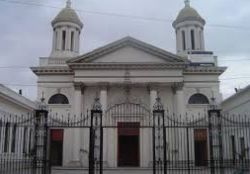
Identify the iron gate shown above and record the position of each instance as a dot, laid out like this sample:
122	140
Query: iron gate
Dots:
214	143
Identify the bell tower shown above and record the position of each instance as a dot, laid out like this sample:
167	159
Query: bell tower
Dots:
189	28
67	28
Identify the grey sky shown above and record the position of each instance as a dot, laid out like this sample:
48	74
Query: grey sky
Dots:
26	33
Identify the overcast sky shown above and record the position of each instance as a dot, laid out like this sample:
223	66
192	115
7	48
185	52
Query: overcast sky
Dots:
26	33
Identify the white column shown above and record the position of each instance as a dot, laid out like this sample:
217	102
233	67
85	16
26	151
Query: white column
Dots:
180	115
54	41
180	106
153	96
103	101
68	39
147	147
188	39
197	39
77	41
103	98
202	40
76	132
59	39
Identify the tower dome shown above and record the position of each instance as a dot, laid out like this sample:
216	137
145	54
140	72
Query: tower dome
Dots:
67	28
67	15
188	14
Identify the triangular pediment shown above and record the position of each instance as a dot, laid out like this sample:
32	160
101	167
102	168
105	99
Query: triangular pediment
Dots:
128	50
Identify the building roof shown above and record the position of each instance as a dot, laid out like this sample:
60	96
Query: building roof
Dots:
68	14
188	14
16	98
240	92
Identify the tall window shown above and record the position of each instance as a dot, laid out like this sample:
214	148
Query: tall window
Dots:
192	39
24	139
183	40
1	124
7	137
233	145
242	147
58	99
198	99
63	40
13	141
30	140
72	45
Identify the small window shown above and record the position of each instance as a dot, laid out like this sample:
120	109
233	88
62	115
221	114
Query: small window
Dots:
7	137
58	99
198	99
72	45
64	40
183	40
193	39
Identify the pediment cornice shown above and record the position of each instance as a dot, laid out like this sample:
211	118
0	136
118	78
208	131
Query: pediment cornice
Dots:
127	41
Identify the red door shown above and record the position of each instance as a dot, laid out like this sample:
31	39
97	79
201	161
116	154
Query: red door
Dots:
128	144
200	145
56	147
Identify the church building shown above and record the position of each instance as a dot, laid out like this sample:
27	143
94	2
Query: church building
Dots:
127	76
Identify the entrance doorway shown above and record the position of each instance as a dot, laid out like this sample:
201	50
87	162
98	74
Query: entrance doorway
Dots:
200	145
56	147
128	144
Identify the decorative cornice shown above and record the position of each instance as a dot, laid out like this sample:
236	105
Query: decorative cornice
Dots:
203	69
52	70
126	66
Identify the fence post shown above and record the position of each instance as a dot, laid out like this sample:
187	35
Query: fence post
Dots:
40	160
215	132
96	139
159	132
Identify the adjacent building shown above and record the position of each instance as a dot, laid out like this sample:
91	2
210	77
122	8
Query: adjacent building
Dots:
14	139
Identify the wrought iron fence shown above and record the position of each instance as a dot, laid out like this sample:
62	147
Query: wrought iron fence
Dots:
211	142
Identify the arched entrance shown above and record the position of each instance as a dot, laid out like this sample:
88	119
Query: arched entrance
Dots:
129	125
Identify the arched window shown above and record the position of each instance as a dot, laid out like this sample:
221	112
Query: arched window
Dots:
58	99
198	99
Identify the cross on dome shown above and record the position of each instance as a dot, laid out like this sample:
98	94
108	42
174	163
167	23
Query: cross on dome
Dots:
187	3
68	4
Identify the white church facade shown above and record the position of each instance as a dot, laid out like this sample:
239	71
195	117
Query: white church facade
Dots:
127	71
